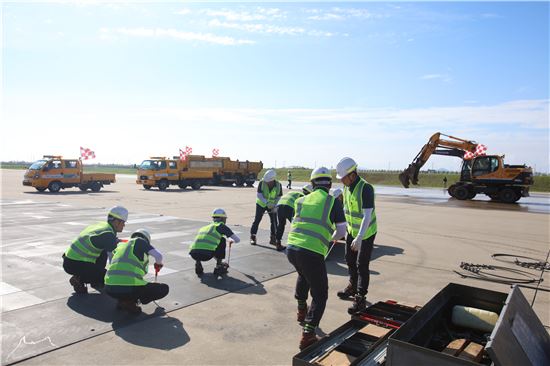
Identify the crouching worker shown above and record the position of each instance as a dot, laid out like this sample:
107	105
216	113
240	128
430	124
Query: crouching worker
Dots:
86	257
124	279
210	243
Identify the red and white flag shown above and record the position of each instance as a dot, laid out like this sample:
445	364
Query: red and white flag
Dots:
468	155
215	152
480	150
185	153
86	153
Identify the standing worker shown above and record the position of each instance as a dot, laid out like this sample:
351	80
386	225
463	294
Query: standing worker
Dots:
361	231
124	278
210	243
289	177
285	211
312	230
86	257
268	193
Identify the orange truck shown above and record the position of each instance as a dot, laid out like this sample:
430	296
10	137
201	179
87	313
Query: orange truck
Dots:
55	173
196	171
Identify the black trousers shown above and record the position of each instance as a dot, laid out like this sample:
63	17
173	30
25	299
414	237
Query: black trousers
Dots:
204	255
284	213
145	294
259	214
359	263
312	277
289	185
93	273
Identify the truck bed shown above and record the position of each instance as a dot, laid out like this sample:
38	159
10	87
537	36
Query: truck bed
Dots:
99	177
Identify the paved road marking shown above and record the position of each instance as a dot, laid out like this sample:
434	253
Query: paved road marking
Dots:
152	219
169	234
7	289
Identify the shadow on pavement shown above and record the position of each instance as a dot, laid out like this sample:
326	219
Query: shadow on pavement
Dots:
232	284
162	332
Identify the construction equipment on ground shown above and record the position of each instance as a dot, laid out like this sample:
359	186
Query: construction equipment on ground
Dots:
196	171
55	173
485	174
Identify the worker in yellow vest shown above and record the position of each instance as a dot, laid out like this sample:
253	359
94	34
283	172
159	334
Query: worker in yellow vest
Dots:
361	231
210	243
285	211
86	257
268	193
124	279
319	219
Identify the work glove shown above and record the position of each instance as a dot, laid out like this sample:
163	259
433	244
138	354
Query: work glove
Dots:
355	244
158	266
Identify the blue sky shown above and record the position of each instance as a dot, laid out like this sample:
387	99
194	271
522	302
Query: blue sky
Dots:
286	83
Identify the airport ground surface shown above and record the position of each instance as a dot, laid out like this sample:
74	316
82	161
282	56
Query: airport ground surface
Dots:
248	317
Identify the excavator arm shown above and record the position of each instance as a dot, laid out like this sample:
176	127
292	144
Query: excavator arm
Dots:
453	146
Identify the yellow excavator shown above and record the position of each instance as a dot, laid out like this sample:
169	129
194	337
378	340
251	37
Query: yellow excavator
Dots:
484	174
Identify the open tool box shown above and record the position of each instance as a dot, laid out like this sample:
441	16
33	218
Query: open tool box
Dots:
360	341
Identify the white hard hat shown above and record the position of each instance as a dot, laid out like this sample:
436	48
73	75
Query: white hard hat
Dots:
308	188
119	212
337	192
219	212
142	233
269	175
344	167
319	173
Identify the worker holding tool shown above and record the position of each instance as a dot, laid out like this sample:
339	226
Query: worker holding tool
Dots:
124	279
268	193
210	243
313	228
86	257
361	231
285	211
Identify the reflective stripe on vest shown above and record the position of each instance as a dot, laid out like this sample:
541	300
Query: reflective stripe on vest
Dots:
353	209
208	237
311	227
269	195
82	249
289	199
126	269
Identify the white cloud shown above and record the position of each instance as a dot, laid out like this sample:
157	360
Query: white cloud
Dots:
340	14
258	28
247	16
446	78
183	12
106	33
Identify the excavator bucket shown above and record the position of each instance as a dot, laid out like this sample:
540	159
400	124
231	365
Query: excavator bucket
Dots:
409	175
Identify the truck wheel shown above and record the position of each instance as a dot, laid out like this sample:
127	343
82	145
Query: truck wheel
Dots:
54	186
508	195
461	193
250	184
196	185
240	181
95	186
147	187
83	187
182	186
162	185
40	189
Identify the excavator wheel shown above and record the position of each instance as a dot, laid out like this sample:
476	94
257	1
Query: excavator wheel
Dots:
451	190
461	193
508	195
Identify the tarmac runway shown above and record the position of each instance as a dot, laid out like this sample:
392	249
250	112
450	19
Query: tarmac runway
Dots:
249	316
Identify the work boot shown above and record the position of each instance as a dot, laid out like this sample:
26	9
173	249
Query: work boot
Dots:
78	286
198	268
273	240
129	306
302	312
359	304
279	246
221	268
347	293
252	239
308	338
